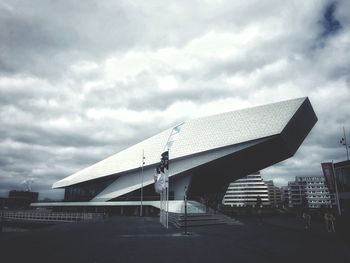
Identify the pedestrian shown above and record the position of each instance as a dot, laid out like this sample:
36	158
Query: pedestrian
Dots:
329	220
326	220
206	202
332	219
259	212
258	207
307	221
1	221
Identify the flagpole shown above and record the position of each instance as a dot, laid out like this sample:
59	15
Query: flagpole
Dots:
167	192
346	144
163	208
336	190
160	207
162	204
143	162
164	193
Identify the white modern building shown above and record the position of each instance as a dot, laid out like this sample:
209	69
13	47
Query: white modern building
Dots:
309	191
316	192
203	154
246	191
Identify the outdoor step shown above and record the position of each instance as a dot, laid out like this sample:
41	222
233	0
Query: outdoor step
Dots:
198	223
178	220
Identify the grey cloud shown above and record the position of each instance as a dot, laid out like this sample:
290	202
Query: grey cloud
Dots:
25	42
143	94
329	22
66	31
37	135
41	37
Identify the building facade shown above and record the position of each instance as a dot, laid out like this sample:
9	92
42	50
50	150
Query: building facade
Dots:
275	194
317	193
309	191
342	172
245	192
285	196
202	153
19	199
296	194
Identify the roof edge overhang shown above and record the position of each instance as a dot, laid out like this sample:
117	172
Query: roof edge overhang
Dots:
286	132
116	175
299	126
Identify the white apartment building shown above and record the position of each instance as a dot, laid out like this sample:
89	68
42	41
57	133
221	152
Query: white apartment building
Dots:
316	192
311	191
245	192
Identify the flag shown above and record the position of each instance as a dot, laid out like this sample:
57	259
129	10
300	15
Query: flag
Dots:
165	160
160	180
329	176
157	186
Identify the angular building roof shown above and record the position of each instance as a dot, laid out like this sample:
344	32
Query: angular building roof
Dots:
193	137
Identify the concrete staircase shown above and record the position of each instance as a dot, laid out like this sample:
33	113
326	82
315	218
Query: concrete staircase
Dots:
201	219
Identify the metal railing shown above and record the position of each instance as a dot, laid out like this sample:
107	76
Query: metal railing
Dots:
48	216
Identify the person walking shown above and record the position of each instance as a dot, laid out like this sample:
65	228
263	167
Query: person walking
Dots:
307	221
326	220
258	207
1	221
329	220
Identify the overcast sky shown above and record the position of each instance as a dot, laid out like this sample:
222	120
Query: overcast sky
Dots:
81	80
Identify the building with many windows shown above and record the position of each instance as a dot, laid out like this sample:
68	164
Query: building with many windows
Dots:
309	191
285	196
317	193
296	193
246	191
275	194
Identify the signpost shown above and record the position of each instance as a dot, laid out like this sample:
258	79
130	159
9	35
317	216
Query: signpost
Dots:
329	174
185	201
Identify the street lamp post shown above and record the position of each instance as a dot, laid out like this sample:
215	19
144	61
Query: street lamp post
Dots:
344	142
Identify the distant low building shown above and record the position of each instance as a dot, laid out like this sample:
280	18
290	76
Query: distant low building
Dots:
285	196
246	191
275	194
296	193
19	199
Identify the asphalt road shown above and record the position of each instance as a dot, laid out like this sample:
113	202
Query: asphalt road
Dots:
133	239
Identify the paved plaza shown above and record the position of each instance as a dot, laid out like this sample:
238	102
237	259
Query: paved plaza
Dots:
134	239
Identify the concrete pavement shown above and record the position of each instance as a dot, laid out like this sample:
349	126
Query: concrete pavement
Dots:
134	239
